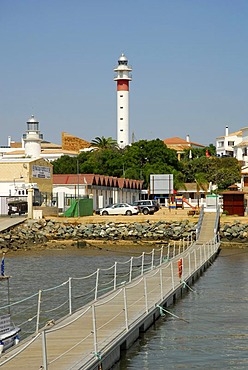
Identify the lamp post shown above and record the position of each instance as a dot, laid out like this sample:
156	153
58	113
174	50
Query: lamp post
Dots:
78	178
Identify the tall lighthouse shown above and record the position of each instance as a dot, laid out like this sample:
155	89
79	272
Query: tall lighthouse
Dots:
123	77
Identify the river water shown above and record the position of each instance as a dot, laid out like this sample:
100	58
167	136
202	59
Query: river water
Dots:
211	334
216	334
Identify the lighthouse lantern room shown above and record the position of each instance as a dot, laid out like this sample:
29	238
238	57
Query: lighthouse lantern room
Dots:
32	139
123	77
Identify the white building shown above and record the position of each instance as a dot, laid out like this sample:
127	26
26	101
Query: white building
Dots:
32	145
123	77
225	144
102	189
241	148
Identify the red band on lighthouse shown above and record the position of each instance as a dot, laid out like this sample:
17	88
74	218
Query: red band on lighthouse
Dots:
122	85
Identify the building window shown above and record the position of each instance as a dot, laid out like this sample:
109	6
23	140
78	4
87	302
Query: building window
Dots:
230	143
121	130
121	141
121	107
121	96
121	119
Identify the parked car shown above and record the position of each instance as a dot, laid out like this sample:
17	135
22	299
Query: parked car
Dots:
18	206
147	206
120	209
98	210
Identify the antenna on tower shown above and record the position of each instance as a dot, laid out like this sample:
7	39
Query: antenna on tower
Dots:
133	137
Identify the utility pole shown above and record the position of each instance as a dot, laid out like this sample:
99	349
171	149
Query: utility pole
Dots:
78	178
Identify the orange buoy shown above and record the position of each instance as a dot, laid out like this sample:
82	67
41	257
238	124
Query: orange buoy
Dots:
180	268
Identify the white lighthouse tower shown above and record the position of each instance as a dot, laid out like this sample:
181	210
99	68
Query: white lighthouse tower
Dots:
123	77
32	139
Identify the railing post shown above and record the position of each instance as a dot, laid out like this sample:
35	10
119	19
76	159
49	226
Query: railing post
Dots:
188	241
195	259
130	270
189	265
152	262
174	249
125	307
70	296
161	255
204	252
183	244
94	329
145	291
142	263
44	351
168	252
38	311
172	276
97	278
115	275
161	284
191	237
179	247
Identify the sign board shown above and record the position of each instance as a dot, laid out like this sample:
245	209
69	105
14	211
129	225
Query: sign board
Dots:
41	172
161	184
4	323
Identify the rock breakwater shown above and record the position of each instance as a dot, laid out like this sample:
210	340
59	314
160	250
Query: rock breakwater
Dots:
39	232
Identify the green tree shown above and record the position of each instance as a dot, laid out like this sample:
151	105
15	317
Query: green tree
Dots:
65	164
192	153
145	157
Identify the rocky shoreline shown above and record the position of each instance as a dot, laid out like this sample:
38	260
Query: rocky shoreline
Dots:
35	233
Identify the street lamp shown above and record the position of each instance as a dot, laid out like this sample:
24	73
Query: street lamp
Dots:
78	178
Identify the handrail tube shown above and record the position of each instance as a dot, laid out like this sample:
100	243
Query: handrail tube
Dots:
97	278
70	297
94	328
38	311
44	350
125	307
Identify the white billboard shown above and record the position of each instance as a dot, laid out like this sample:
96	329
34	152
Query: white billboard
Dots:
161	184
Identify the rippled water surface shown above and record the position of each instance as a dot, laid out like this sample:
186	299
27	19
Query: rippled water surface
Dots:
215	336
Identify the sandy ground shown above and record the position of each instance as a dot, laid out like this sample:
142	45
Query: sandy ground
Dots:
162	215
93	247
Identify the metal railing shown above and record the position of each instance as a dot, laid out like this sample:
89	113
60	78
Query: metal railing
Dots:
147	282
199	224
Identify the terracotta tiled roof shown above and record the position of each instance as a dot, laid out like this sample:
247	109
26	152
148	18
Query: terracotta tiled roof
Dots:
97	180
48	145
43	151
15	152
15	144
235	133
243	143
182	142
175	140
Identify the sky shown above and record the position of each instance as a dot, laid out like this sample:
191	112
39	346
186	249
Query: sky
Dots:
189	60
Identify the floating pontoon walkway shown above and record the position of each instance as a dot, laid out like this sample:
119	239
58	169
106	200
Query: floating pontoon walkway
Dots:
93	336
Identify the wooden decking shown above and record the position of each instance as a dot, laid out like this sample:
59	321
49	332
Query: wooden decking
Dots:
80	340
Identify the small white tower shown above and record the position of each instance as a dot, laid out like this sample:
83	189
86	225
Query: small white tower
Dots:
122	77
32	139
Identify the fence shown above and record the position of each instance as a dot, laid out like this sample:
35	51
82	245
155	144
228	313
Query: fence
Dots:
128	291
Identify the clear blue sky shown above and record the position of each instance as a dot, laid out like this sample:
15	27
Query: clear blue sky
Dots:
189	59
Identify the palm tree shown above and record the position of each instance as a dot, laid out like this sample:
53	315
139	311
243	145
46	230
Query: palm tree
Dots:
201	183
104	143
